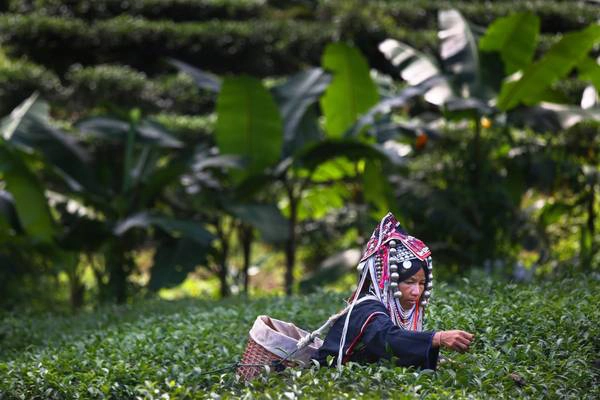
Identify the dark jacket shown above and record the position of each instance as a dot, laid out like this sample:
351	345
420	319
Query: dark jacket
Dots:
373	336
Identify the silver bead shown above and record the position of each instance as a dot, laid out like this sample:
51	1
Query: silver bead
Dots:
429	285
427	293
394	285
398	294
393	268
423	303
394	276
430	276
406	264
393	251
392	243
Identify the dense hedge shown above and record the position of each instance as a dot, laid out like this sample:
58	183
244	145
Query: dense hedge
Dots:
18	79
257	47
176	10
419	14
555	16
532	341
86	87
113	50
129	88
191	129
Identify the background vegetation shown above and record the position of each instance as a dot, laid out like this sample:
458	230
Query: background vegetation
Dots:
171	349
125	172
160	149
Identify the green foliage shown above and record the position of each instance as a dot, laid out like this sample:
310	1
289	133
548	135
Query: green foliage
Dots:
18	79
175	227
294	98
351	93
190	128
85	88
514	37
128	88
260	47
28	192
470	185
173	261
589	70
60	35
560	59
249	123
178	10
378	191
526	336
272	226
555	15
30	202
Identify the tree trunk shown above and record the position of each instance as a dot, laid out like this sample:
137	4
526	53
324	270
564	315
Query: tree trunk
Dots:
591	220
119	281
246	239
476	180
290	248
76	294
76	287
223	270
118	268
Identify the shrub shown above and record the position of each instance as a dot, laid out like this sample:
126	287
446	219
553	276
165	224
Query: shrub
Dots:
19	79
259	47
191	129
128	88
532	340
176	10
555	16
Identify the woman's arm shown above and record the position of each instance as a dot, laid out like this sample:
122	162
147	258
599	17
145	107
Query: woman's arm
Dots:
383	339
455	340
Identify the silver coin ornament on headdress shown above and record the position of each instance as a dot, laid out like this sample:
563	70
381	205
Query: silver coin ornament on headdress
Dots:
392	256
405	256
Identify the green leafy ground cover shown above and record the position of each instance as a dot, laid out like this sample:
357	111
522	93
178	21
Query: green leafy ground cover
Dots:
532	340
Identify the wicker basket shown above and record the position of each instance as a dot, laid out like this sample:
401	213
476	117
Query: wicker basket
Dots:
256	354
269	341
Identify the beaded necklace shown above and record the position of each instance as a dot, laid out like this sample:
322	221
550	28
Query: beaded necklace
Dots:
407	316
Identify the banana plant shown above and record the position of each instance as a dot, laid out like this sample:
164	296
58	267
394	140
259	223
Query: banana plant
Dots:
484	75
493	71
278	134
108	193
26	190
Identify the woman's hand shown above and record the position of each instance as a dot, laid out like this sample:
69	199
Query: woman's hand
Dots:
455	340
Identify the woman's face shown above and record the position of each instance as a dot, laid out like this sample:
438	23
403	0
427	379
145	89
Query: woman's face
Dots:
411	289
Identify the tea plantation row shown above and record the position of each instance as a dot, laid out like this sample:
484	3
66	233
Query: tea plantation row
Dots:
532	340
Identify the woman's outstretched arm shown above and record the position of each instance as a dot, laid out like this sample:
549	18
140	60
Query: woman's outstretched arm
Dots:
455	340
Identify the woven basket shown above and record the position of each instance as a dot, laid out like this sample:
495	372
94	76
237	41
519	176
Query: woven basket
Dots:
271	340
256	354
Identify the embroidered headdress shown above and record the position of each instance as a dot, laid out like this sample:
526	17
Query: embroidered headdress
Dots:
391	256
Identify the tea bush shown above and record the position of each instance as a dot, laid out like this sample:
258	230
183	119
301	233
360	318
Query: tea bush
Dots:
126	87
532	340
260	47
179	10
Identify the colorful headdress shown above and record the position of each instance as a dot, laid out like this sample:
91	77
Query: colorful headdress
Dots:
390	257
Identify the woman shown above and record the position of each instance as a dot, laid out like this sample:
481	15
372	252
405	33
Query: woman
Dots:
385	314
